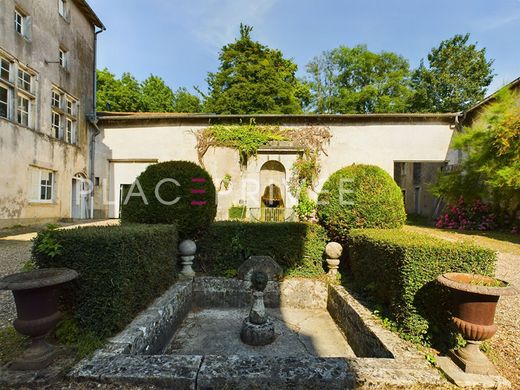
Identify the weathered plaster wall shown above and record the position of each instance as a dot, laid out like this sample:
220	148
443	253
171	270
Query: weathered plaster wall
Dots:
22	147
371	143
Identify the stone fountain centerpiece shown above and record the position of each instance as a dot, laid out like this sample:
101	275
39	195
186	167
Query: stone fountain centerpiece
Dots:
36	298
258	328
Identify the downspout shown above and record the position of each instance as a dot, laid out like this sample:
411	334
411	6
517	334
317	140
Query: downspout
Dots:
93	121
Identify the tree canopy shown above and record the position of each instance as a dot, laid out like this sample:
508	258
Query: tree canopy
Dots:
356	80
456	77
253	78
491	167
152	95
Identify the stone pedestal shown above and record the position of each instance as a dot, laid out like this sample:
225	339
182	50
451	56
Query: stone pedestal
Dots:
258	328
333	250
472	360
187	250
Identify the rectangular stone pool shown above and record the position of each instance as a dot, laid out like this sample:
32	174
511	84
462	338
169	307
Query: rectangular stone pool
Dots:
189	338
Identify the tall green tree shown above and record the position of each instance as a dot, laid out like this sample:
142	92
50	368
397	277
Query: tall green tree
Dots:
184	101
456	77
156	96
491	165
120	95
356	80
253	78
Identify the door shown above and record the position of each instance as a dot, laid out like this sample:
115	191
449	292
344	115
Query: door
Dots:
79	206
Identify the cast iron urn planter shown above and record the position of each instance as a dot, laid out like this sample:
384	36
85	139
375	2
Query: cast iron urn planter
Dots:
475	299
36	298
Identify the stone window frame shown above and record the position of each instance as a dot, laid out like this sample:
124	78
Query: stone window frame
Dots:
64	9
7	85
67	111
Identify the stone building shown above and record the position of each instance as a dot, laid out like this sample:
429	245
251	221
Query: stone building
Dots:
129	142
47	109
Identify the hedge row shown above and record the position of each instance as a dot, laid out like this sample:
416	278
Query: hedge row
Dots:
297	247
122	269
398	269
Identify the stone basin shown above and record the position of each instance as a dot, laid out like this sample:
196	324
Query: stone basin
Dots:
189	338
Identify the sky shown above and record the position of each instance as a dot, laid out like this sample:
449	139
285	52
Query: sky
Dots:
180	40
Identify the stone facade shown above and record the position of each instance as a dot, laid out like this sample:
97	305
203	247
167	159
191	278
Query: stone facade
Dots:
128	143
47	48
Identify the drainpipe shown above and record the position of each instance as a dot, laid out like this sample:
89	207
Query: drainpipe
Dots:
92	118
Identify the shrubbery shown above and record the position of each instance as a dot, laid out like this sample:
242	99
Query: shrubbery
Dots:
463	216
237	212
122	269
360	196
196	206
297	247
398	270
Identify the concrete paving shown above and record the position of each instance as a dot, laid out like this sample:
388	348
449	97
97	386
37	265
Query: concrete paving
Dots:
299	332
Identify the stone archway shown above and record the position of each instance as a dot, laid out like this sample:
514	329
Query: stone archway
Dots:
272	190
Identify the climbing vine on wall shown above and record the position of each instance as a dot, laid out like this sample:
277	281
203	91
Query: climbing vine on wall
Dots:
247	139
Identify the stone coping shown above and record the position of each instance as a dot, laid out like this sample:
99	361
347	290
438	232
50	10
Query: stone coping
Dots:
136	354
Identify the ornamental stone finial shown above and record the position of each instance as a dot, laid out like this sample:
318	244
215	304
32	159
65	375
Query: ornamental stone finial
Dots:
333	250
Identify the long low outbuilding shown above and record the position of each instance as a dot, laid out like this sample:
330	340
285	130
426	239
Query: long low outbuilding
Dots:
410	147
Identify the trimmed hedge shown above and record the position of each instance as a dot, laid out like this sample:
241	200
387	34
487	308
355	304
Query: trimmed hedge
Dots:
359	197
195	208
398	269
122	269
297	247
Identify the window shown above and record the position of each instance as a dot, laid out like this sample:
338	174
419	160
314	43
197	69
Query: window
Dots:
22	111
63	58
63	9
70	107
56	124
21	23
41	185
70	132
417	168
56	99
24	80
63	115
4	102
5	69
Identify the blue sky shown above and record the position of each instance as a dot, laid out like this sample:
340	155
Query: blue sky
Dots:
179	40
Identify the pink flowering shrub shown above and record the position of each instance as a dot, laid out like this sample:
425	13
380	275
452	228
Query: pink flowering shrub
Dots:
467	216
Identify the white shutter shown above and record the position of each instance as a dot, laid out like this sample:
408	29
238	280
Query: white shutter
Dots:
34	184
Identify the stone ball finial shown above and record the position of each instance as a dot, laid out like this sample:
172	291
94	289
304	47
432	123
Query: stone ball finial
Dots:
187	248
333	250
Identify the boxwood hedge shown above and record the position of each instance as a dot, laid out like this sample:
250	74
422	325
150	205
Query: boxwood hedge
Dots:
121	270
297	247
398	269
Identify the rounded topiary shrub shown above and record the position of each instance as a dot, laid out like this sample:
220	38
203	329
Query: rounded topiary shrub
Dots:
179	192
360	196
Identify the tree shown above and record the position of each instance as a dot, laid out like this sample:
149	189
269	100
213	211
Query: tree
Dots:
253	78
356	80
122	95
456	77
490	169
156	96
183	101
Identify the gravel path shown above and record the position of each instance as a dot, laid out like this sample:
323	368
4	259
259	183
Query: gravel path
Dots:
506	343
12	255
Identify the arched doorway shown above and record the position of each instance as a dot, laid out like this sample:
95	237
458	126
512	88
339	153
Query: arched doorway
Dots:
273	191
79	201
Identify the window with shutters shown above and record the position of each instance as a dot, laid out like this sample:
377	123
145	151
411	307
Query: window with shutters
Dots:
42	184
22	23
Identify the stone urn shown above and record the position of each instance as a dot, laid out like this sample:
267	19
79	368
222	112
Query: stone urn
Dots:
36	298
474	299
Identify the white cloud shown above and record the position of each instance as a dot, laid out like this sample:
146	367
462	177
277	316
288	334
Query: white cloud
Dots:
215	23
499	21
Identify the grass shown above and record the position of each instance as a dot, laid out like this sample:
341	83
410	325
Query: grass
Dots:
498	241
